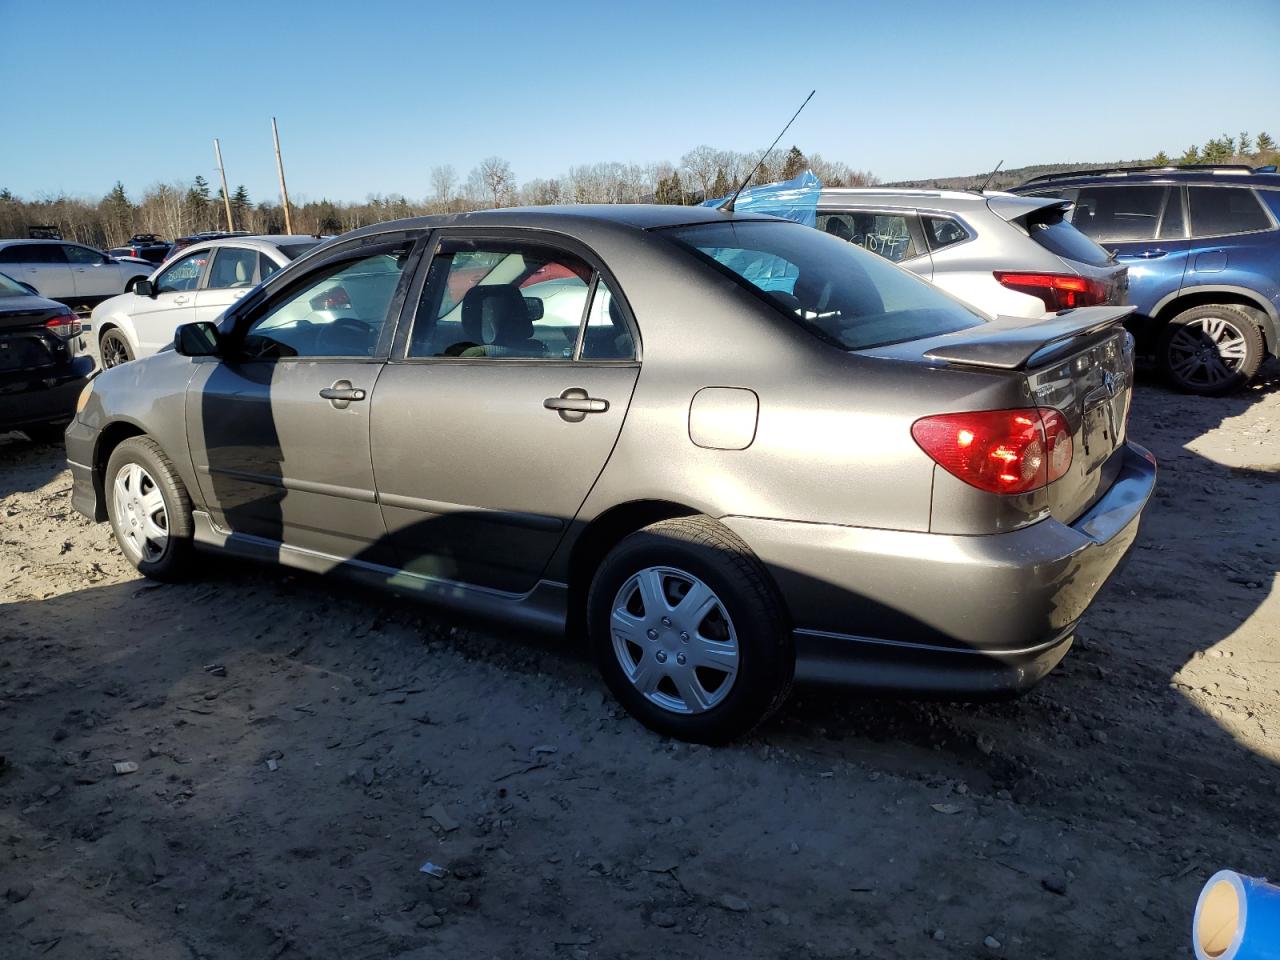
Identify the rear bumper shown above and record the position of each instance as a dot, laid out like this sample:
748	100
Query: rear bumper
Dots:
52	400
931	613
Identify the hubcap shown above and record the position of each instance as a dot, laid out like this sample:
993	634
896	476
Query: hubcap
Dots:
674	640
140	514
1207	352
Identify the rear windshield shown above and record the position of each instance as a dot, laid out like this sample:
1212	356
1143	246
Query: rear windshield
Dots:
850	298
1049	229
294	250
10	288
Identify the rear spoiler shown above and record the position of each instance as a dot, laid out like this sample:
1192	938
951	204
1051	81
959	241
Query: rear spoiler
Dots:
1014	208
1010	343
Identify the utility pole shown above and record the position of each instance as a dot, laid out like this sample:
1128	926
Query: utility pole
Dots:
284	191
226	196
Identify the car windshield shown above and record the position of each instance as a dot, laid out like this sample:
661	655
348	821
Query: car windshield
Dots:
850	298
11	288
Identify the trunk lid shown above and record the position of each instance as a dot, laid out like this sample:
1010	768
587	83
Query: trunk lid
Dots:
1079	362
25	343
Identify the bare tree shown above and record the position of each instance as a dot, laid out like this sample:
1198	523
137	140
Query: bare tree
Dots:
498	180
444	183
700	164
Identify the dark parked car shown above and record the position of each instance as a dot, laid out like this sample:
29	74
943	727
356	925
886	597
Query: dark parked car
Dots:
144	246
734	449
1203	248
43	366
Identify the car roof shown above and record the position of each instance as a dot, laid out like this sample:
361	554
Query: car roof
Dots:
37	240
1186	173
1007	206
255	242
641	216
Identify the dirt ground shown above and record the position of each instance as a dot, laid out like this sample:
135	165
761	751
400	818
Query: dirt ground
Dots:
304	748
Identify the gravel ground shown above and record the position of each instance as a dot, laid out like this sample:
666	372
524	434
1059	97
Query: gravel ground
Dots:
303	748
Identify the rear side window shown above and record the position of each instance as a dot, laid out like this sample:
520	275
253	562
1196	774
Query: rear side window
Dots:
836	292
886	234
1049	228
33	253
81	255
943	232
233	267
1216	211
1119	212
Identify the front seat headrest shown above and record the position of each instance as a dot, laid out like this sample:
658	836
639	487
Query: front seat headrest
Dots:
493	314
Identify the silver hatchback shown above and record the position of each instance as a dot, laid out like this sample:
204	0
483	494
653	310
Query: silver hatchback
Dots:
731	451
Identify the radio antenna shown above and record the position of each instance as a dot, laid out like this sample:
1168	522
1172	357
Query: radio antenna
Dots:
727	206
990	176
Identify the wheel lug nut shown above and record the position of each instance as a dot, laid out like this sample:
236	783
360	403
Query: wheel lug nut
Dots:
666	621
651	633
684	637
680	659
660	656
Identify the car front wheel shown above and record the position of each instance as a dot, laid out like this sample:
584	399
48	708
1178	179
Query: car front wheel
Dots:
1210	350
149	510
114	349
689	632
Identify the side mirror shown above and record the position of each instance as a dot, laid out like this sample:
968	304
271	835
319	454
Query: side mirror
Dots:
197	340
145	288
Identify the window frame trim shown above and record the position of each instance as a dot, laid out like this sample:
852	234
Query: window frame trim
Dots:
536	236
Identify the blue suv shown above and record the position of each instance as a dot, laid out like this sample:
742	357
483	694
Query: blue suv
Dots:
1202	244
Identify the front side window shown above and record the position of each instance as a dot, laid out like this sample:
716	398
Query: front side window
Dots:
81	255
501	300
838	293
887	234
1119	213
339	311
1218	211
233	267
183	275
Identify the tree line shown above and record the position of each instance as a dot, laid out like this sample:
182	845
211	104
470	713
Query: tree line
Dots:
180	208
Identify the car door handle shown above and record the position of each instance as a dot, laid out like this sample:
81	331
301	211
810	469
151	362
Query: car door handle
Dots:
339	392
180	299
238	294
574	404
1152	254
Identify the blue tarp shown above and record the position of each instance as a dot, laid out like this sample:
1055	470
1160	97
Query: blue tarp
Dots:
795	199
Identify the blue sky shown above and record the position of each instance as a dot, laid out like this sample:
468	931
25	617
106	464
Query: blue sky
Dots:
371	94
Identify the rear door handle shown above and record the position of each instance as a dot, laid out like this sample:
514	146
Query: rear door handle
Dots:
574	404
341	394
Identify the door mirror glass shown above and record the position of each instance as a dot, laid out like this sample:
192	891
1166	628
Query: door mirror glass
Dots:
197	340
143	288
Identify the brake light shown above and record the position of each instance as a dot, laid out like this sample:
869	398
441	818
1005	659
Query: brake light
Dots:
1058	291
1000	451
64	325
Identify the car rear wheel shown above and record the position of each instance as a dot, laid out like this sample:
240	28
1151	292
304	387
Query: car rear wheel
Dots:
149	510
689	632
1211	349
114	349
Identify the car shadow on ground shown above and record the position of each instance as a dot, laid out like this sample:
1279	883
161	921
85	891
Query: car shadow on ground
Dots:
27	465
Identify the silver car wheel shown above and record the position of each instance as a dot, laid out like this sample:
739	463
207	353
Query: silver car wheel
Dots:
1207	352
674	640
140	514
114	350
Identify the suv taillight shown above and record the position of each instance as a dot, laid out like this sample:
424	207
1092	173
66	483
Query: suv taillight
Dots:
1000	451
1058	291
64	325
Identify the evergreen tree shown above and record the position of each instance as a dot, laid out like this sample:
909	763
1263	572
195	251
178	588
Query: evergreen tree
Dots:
117	212
794	165
1192	155
1264	143
1244	143
240	203
5	193
720	186
1161	159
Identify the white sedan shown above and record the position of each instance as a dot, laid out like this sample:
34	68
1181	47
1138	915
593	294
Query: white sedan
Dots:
70	273
198	284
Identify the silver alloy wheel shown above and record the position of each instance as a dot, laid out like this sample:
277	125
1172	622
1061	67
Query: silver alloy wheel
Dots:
674	640
114	350
1207	352
140	514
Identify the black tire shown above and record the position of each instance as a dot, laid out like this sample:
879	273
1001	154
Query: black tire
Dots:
114	348
1190	347
51	433
705	549
175	561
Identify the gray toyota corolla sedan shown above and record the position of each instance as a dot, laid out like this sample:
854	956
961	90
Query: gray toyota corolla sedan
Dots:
732	451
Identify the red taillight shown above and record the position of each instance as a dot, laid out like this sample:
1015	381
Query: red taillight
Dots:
1058	291
64	325
1000	451
331	299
